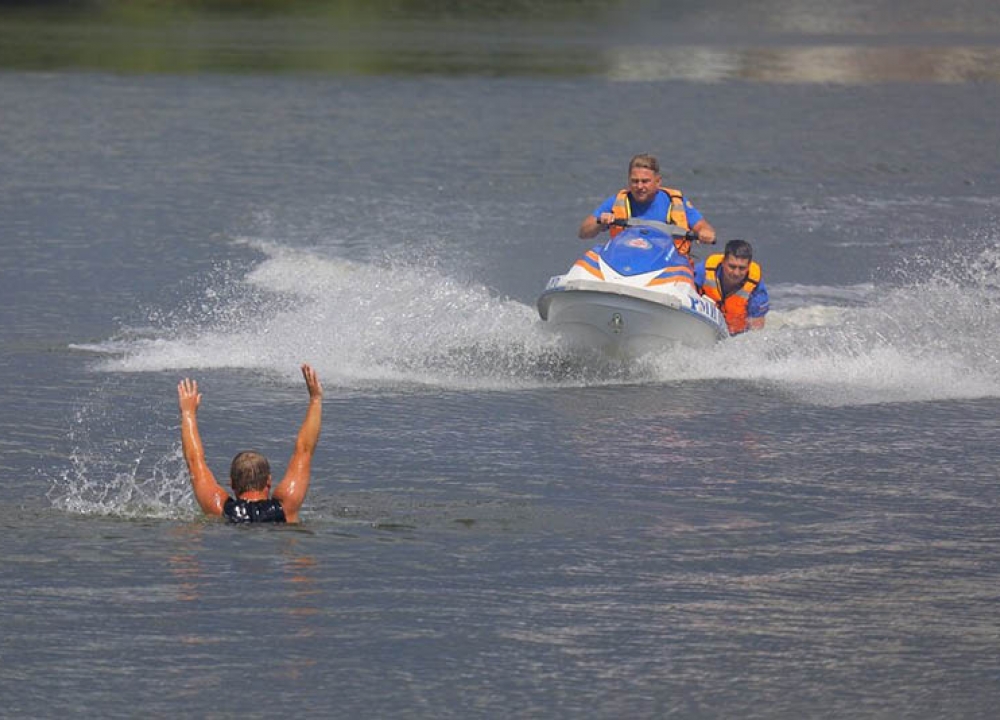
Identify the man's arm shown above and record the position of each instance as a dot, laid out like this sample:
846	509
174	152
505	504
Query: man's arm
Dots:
699	277
210	495
598	221
759	305
593	226
294	486
705	232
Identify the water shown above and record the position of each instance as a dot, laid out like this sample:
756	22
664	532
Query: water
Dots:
800	523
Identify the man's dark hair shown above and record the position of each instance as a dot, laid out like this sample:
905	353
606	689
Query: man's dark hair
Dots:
249	471
739	249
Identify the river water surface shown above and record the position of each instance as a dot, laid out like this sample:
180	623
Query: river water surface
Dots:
800	523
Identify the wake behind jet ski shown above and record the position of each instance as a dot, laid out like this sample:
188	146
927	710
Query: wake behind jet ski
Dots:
632	295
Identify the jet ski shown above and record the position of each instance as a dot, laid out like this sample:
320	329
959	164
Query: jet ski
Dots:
633	295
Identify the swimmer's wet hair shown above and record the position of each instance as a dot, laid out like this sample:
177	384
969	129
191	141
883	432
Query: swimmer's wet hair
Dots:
249	471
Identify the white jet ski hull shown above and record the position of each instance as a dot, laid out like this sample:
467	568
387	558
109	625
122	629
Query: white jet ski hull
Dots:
621	320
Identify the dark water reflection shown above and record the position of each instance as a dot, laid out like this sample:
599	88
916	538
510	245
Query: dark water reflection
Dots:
776	41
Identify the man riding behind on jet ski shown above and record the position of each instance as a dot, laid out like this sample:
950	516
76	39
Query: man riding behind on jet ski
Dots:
732	280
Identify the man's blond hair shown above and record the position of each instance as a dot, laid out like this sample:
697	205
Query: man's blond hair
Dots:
644	161
249	471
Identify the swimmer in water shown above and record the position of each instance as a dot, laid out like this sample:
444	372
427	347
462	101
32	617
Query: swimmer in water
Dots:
250	473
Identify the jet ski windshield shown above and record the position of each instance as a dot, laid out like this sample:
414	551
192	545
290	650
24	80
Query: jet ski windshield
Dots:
639	249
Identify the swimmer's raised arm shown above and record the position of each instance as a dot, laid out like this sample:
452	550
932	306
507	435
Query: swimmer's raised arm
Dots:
210	495
294	486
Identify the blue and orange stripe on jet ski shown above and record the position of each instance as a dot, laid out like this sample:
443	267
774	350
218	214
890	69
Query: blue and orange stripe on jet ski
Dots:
682	274
591	263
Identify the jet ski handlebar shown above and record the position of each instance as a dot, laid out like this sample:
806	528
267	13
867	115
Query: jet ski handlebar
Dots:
675	230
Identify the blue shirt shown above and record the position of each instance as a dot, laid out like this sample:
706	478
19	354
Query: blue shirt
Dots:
759	302
656	209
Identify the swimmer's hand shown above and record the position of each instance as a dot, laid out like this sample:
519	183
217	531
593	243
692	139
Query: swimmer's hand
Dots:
312	382
188	397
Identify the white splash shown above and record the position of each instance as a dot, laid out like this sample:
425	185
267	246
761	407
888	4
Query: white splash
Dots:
112	472
932	339
357	323
395	323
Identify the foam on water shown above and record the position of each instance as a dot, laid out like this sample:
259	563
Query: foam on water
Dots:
931	336
929	339
359	324
112	471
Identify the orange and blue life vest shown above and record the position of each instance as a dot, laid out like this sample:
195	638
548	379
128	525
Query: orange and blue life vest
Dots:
736	305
